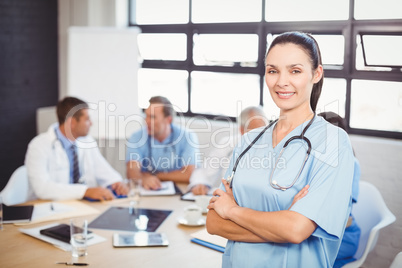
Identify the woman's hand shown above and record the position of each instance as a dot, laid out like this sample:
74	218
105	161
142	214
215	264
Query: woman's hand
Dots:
222	202
302	193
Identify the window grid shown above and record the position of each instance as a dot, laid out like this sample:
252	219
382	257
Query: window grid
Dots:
350	29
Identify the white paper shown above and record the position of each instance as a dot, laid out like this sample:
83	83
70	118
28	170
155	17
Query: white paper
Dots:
61	210
189	196
35	232
167	188
49	209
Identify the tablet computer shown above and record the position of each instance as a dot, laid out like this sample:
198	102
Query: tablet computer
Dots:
61	232
140	239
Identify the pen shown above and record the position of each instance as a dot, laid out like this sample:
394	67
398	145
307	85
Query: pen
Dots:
73	263
161	189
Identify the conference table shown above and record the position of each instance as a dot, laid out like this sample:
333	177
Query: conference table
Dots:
20	250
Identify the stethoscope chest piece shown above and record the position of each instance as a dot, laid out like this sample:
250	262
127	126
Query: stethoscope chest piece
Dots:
230	179
150	168
275	185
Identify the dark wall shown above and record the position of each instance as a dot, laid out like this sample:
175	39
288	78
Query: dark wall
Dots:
28	74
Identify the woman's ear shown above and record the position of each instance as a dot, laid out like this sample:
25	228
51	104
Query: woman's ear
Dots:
318	74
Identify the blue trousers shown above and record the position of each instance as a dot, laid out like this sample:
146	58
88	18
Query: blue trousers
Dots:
349	245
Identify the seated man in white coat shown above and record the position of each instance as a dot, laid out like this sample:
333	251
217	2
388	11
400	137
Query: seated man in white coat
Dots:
65	163
204	179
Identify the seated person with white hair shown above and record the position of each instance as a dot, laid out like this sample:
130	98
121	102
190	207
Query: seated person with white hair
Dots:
210	175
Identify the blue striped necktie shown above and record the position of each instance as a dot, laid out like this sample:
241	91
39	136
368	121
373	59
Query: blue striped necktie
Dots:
76	169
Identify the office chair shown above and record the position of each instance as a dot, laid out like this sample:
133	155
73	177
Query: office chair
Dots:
397	263
371	214
17	190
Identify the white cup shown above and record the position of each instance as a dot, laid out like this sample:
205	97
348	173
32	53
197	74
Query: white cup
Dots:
202	201
79	237
192	214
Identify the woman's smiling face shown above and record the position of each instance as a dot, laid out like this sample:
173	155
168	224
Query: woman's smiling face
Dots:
290	77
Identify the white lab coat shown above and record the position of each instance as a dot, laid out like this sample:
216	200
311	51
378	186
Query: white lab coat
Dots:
48	167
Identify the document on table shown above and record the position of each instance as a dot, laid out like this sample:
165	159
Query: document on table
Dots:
189	196
50	211
167	188
35	232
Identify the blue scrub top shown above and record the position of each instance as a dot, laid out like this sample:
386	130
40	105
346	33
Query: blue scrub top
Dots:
176	151
328	171
356	179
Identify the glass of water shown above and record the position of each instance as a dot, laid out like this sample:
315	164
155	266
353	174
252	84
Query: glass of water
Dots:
134	194
79	237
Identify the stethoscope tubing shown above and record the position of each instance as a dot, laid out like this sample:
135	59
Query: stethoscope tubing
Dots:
150	167
230	178
273	183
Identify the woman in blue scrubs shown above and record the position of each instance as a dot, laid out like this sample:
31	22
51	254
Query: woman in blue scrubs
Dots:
251	208
351	237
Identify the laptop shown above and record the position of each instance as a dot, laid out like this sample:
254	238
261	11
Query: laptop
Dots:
13	214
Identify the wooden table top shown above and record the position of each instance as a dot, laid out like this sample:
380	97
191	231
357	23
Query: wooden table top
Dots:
21	250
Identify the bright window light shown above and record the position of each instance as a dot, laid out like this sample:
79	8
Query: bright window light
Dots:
376	105
307	10
162	46
223	93
171	84
211	11
226	49
383	50
159	11
374	9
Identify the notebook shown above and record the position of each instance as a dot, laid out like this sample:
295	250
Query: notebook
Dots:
167	188
12	214
205	239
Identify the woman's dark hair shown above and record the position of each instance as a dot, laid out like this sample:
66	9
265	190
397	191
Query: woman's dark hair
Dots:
310	46
334	119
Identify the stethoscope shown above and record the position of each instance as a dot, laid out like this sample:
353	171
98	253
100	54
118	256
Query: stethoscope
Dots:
170	144
274	184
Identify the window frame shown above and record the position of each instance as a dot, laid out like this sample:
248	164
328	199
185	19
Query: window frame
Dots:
350	29
394	68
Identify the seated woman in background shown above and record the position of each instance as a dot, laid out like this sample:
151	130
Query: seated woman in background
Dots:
350	240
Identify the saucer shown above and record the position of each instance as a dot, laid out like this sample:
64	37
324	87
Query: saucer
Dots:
200	222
